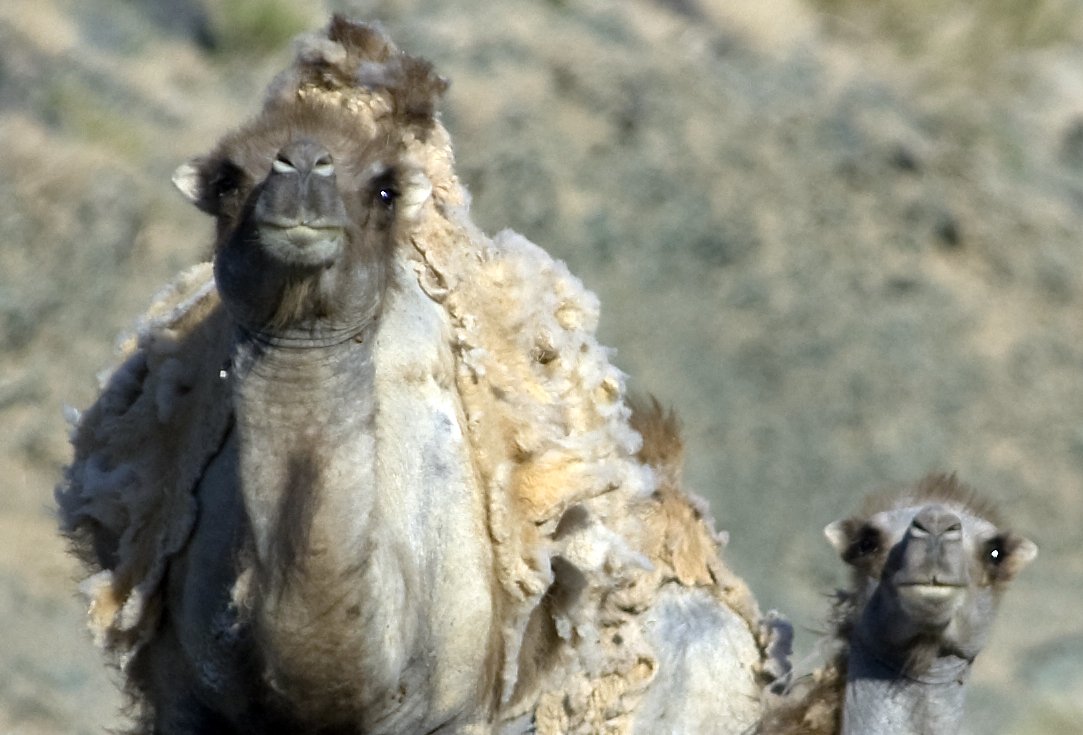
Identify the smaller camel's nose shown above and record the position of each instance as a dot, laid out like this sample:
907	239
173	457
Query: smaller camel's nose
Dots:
303	157
938	522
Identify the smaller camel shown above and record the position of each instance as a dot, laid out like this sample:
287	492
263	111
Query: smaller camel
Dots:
929	568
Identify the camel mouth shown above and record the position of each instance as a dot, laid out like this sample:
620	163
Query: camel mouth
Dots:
302	244
930	591
925	594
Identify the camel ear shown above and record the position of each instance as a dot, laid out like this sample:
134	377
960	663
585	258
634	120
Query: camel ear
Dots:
188	178
1024	553
205	182
837	535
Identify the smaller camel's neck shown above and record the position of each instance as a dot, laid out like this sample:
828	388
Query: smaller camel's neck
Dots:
882	699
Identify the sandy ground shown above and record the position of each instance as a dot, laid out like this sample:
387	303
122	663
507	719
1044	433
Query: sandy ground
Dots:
846	250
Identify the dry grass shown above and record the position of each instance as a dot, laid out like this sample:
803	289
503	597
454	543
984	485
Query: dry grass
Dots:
979	31
258	27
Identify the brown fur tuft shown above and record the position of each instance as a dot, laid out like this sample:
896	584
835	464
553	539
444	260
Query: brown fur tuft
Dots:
818	707
361	57
941	487
418	91
663	447
683	542
360	39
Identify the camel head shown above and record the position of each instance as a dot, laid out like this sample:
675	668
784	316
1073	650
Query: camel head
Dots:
929	567
311	196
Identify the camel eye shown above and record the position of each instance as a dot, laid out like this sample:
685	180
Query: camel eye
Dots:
384	188
868	542
226	179
865	542
995	553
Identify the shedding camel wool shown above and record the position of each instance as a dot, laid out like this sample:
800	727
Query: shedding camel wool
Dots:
371	470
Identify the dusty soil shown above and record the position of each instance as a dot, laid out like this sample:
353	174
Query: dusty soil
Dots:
843	242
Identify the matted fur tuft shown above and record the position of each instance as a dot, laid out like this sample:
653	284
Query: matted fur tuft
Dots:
663	447
351	56
812	707
811	703
361	40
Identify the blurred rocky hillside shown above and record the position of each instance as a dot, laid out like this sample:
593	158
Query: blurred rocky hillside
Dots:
843	238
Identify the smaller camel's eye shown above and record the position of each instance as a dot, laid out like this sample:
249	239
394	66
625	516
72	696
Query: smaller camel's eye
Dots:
865	542
227	179
995	552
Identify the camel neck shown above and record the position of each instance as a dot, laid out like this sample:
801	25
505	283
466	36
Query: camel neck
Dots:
366	526
302	413
883	698
305	424
292	371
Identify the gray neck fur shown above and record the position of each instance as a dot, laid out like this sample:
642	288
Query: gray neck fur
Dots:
369	597
300	408
323	537
882	695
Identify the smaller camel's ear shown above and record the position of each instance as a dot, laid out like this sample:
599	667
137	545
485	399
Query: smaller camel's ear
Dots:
838	536
1024	553
188	178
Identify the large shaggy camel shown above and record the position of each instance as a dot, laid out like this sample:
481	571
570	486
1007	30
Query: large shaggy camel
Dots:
929	567
371	471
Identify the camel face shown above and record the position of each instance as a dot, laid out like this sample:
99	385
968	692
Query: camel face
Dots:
933	564
307	214
930	569
299	216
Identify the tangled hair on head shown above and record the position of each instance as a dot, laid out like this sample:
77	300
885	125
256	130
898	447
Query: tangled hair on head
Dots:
352	57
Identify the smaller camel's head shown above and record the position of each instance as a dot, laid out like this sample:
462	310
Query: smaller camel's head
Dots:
929	567
310	197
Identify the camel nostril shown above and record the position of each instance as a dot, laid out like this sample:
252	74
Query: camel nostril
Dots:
304	156
936	520
324	166
282	165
